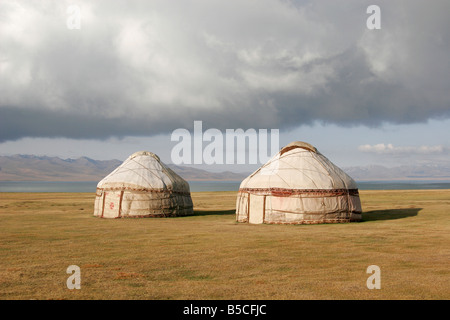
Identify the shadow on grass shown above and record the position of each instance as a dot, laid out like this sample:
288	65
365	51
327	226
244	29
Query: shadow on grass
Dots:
213	212
389	214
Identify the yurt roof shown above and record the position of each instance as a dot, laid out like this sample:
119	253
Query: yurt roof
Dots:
144	171
299	165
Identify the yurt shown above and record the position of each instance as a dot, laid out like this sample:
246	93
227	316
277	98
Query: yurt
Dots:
298	185
142	186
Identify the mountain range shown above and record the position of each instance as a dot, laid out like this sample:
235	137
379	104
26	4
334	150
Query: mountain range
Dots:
403	172
44	168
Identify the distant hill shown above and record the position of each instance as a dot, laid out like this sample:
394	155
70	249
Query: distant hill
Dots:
43	168
193	174
405	172
37	168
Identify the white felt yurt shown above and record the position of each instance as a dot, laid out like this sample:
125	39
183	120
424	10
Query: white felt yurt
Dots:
298	185
142	186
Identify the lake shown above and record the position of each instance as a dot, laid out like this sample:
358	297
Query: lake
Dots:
197	186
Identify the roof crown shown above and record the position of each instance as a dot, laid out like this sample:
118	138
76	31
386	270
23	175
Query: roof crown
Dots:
298	144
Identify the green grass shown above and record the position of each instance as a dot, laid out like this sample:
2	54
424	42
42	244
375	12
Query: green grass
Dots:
210	256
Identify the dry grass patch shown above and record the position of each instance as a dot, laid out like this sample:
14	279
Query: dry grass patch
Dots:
210	256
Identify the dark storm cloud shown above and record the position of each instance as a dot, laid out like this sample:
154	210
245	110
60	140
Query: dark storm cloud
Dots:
16	123
154	66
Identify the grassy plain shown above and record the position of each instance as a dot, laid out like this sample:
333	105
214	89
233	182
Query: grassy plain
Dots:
210	256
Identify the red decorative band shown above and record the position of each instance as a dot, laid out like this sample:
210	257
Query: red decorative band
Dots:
184	193
283	192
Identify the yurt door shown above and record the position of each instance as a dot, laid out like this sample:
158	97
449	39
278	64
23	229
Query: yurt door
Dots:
256	209
111	208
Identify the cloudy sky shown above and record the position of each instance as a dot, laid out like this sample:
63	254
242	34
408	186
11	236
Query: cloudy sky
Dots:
104	79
